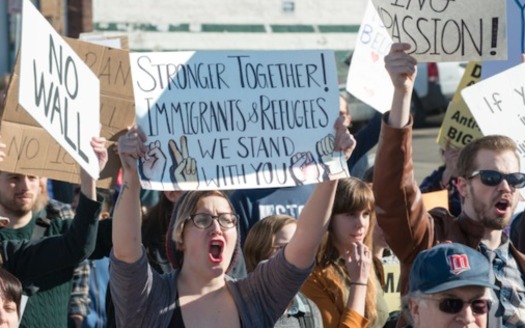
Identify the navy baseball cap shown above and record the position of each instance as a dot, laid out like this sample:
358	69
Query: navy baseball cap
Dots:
447	266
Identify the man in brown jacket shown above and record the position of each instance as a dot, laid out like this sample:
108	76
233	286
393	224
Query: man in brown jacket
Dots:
488	182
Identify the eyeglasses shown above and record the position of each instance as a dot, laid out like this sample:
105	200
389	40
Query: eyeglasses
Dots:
494	178
455	305
204	220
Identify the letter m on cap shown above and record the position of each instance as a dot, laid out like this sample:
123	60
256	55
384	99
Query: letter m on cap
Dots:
458	263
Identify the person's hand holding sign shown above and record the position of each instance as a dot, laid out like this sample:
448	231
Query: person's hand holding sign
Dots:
303	165
153	162
131	148
331	160
184	168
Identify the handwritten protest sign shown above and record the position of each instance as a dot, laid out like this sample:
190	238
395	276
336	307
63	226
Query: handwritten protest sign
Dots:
459	126
368	79
58	90
231	120
447	30
515	40
32	150
498	104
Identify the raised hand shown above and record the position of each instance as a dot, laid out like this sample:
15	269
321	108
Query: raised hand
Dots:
87	183
402	69
343	141
131	148
154	162
401	66
99	146
184	168
333	161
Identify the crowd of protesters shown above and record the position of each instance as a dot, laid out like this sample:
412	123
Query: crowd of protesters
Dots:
216	259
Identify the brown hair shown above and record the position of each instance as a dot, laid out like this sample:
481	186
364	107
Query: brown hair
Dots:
261	238
467	157
154	226
352	195
10	288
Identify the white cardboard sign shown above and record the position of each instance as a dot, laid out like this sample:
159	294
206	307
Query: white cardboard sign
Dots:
498	105
447	30
367	78
58	89
233	120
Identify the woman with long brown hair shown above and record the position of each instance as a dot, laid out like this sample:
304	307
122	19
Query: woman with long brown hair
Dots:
343	283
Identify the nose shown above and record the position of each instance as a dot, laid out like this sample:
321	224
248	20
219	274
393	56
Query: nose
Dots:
504	186
215	227
466	316
361	220
25	182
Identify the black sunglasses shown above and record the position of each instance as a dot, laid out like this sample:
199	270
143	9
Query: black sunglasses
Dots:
494	178
455	305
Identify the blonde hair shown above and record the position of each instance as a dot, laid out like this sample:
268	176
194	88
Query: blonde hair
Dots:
352	195
261	238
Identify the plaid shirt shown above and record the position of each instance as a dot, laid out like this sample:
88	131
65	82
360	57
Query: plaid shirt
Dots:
511	294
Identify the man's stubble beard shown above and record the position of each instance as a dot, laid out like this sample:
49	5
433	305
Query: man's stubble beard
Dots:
482	214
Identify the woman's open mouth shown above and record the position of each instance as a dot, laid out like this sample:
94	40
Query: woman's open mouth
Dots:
215	251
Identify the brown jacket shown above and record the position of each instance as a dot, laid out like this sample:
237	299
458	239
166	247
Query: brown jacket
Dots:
407	225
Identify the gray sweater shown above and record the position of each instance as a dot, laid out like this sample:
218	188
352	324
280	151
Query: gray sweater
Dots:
143	298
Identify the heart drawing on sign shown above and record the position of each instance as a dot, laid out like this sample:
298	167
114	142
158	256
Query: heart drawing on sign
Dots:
375	56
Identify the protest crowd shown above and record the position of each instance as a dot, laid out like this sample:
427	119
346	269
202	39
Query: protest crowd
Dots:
312	247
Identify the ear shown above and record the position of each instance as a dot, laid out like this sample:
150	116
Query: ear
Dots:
462	186
413	307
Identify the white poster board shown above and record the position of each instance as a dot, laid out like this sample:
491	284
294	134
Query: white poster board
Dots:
232	120
58	89
447	30
515	40
367	78
498	105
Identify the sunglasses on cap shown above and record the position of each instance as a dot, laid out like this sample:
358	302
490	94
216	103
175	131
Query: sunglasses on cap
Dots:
494	178
456	305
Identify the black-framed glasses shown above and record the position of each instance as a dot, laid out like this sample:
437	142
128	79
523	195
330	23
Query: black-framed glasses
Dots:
493	178
452	305
205	220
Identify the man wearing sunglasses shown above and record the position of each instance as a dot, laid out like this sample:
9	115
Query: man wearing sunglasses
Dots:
449	287
488	181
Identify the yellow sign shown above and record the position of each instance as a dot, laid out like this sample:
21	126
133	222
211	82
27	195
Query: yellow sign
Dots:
392	292
459	126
